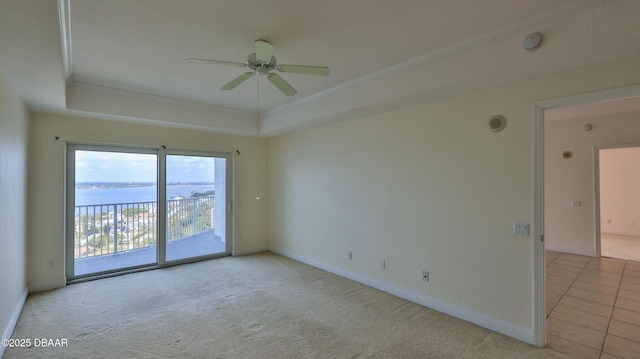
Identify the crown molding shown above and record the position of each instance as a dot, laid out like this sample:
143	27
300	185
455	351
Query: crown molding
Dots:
566	10
64	16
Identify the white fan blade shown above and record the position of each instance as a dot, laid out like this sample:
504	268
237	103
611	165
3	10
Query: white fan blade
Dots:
237	81
281	84
264	51
306	70
217	62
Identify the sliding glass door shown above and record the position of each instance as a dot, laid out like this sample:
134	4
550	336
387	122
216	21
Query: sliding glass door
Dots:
132	208
196	206
114	210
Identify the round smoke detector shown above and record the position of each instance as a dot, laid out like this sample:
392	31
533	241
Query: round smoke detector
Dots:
533	41
497	123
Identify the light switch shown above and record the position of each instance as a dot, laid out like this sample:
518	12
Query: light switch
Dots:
520	229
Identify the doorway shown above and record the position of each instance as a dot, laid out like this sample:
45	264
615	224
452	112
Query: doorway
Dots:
618	201
575	203
130	209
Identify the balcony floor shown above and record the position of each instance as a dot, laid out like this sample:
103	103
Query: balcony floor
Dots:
205	243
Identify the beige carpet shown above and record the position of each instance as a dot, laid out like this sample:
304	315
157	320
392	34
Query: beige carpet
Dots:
259	306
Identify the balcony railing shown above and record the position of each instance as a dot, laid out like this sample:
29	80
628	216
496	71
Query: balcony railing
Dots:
107	229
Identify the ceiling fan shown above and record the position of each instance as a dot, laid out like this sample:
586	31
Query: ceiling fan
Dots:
262	62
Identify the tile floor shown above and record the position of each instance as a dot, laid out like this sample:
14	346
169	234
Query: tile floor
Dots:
593	306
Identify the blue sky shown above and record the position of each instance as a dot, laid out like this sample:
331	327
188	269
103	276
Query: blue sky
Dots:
96	166
190	169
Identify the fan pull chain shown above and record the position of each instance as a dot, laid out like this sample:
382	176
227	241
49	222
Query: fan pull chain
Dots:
257	136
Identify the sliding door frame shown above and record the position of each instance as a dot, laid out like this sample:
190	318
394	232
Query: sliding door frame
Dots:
161	153
227	208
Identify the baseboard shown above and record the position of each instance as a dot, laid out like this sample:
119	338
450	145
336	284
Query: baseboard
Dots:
494	324
578	251
244	252
42	287
622	233
8	331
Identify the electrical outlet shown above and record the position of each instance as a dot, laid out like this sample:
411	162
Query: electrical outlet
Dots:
350	255
51	263
425	275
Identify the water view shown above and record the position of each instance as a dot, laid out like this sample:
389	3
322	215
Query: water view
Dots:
94	193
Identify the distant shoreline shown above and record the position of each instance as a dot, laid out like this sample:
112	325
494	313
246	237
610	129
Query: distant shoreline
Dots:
104	185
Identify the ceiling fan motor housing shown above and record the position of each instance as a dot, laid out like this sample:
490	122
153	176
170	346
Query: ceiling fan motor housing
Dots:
260	67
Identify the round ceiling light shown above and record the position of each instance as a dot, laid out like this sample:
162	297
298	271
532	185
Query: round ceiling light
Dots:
533	41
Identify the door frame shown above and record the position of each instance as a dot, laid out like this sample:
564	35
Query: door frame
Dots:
539	261
596	166
161	154
70	182
162	258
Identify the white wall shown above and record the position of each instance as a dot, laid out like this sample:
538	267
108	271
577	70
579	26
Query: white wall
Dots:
47	186
620	190
426	188
567	228
13	195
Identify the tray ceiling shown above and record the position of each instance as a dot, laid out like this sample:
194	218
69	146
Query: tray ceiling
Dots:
127	58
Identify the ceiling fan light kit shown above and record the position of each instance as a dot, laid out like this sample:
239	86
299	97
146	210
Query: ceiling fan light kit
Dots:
262	62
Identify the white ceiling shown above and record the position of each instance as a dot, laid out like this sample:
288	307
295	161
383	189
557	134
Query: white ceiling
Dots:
126	59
